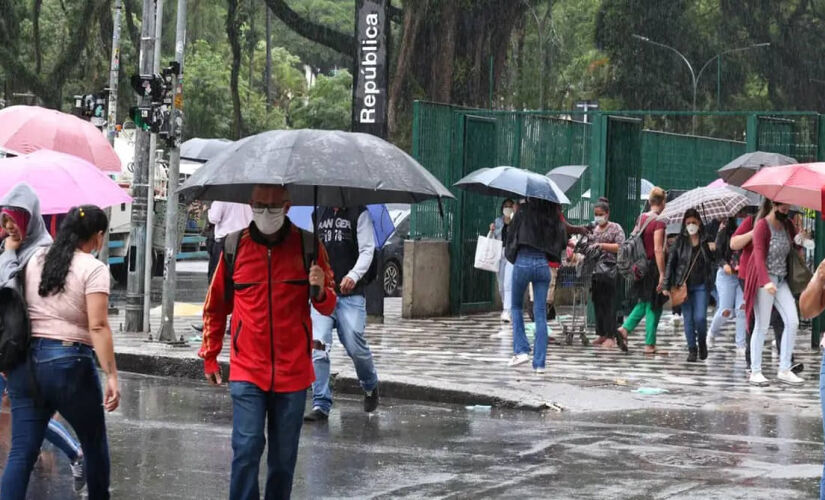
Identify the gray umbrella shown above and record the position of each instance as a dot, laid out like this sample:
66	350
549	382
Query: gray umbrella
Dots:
202	150
567	175
319	167
742	168
508	181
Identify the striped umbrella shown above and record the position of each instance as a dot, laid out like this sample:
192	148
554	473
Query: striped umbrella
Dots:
713	203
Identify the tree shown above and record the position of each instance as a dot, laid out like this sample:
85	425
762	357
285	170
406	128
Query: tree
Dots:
328	105
233	32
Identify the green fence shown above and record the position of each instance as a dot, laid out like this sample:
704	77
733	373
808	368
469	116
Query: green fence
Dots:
620	148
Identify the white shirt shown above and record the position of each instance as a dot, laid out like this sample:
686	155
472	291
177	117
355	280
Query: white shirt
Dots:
229	217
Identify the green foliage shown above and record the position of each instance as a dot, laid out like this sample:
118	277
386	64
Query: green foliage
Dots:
328	104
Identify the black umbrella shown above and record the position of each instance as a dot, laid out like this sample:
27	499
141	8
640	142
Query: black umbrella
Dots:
330	168
742	168
202	150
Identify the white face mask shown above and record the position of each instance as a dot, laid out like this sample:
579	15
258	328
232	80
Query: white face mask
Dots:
692	229
268	220
600	219
508	212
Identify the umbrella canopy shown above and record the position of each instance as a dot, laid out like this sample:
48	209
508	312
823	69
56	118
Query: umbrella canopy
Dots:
742	168
382	224
567	175
61	181
754	200
344	169
202	150
26	129
509	181
800	184
713	203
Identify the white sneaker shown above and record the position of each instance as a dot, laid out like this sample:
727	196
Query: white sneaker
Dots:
540	371
790	377
506	317
740	351
711	341
758	379
519	359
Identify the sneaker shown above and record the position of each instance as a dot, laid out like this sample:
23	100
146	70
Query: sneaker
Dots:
711	342
692	355
316	415
740	351
371	400
703	350
758	379
78	474
519	359
539	371
797	368
198	327
790	377
506	317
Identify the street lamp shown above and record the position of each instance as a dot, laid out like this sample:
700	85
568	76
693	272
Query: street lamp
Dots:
696	76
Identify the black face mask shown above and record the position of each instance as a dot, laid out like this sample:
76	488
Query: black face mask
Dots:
781	216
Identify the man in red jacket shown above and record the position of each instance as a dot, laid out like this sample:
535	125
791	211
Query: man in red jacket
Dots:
268	296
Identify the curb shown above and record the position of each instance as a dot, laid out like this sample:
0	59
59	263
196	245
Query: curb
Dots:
188	368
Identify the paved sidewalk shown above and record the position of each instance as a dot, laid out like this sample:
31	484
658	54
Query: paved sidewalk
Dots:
464	360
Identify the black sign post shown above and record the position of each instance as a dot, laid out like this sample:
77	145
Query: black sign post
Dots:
370	102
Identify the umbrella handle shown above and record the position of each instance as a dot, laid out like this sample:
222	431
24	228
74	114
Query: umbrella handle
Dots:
314	290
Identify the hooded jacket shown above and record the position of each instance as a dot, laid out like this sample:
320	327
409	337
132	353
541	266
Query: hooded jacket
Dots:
12	262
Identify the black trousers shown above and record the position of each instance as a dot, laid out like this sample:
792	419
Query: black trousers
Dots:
604	303
215	248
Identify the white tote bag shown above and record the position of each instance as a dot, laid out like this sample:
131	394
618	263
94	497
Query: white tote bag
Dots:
488	253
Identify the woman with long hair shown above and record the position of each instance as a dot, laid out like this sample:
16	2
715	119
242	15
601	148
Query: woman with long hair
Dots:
607	236
505	271
766	287
731	294
67	294
648	290
690	263
536	237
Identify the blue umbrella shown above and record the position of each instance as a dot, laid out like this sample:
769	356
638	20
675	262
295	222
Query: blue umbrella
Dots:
510	181
381	221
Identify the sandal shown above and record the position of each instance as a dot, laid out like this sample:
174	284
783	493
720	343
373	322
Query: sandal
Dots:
650	349
621	340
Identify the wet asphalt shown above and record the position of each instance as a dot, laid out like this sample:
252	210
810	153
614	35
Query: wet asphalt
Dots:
171	439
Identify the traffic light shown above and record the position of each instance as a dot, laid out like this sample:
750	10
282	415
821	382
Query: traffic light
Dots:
151	86
142	116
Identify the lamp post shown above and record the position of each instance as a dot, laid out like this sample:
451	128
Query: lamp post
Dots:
696	76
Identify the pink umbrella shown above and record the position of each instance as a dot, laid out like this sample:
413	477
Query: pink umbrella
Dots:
802	184
26	129
717	183
61	181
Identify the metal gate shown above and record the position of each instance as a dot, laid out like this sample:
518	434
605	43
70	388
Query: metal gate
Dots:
475	287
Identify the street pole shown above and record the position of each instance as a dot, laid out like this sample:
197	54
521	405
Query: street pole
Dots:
114	72
137	235
167	327
150	200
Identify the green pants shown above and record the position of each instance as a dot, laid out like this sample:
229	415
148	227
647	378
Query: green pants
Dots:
651	315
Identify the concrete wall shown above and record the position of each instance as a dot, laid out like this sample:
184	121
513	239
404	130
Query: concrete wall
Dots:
426	279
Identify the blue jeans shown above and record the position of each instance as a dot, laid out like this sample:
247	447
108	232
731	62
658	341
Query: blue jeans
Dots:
281	413
68	383
350	320
531	267
56	433
695	314
731	301
822	403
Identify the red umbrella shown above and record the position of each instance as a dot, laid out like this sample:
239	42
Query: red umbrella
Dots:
800	184
26	129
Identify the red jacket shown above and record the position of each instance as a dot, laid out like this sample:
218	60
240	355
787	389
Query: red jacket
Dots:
756	274
271	330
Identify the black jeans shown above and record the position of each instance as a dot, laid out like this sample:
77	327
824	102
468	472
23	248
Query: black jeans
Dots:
604	303
215	250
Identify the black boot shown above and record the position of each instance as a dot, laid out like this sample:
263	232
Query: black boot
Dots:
703	349
692	355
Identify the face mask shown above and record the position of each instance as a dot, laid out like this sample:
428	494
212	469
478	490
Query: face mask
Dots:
600	220
692	229
782	217
270	220
508	212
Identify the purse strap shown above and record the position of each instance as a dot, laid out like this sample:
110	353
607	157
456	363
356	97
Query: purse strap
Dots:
692	264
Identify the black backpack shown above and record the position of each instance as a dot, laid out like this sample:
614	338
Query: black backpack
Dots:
15	329
631	260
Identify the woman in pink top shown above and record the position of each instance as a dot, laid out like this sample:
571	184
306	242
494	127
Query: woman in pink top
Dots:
67	293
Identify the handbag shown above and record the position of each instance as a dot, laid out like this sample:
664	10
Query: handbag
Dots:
488	253
798	273
678	293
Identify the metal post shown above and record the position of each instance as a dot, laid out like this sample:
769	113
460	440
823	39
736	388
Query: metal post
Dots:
167	327
137	236
150	199
114	72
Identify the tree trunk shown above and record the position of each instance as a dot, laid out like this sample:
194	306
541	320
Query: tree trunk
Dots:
233	26
268	58
250	46
38	54
442	69
412	25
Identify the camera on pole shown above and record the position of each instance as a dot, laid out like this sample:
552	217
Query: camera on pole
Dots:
159	89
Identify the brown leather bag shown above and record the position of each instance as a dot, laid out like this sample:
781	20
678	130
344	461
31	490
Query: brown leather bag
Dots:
678	293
